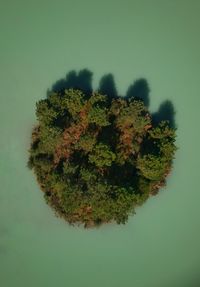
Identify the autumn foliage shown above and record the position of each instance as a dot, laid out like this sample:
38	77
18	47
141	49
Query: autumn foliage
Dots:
95	158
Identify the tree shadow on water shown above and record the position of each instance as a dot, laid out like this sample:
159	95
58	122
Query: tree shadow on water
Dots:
107	86
166	112
139	90
81	80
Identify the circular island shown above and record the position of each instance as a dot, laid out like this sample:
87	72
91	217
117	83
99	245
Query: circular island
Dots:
97	157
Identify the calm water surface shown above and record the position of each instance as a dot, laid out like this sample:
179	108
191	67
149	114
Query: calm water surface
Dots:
40	41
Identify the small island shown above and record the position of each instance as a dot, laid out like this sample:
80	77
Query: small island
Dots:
97	157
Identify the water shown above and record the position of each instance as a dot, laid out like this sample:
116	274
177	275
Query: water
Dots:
40	42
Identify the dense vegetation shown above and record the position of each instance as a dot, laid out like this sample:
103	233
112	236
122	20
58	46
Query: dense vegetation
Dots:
97	158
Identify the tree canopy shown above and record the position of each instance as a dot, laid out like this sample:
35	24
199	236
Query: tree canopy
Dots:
95	158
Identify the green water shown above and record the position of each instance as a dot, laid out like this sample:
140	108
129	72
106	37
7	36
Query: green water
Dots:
40	41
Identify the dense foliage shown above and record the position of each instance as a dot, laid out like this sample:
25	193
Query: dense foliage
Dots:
97	158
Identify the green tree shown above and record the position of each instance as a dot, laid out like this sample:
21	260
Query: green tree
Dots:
101	155
97	159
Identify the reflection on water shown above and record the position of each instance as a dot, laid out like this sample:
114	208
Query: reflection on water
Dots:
153	40
139	89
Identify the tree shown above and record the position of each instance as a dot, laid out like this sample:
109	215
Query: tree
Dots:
96	158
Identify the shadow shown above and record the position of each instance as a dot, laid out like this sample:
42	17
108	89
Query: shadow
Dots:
107	86
139	90
166	112
81	80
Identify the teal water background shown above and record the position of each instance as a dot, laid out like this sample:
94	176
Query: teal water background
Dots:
40	41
